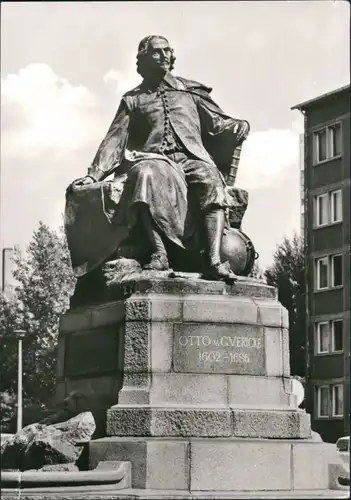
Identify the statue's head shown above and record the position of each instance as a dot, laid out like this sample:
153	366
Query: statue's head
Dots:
155	56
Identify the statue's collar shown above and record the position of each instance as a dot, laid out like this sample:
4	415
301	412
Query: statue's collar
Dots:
170	80
173	81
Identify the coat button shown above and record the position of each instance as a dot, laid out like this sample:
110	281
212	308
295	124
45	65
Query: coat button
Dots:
170	139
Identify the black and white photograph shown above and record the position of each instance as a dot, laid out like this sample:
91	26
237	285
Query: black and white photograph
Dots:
175	250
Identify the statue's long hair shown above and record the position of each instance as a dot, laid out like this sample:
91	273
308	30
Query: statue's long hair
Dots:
142	51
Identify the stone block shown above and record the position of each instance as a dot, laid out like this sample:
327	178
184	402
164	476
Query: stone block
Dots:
190	283
91	351
273	352
285	352
167	465
166	308
202	309
177	286
129	421
107	314
271	424
137	351
75	321
131	395
285	317
269	313
191	422
121	449
227	465
250	287
250	392
288	388
137	363
101	391
310	466
161	346
137	309
172	422
188	389
218	348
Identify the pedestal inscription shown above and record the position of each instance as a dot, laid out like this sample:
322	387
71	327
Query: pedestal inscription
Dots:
235	349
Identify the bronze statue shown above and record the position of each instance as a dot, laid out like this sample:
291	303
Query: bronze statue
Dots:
169	147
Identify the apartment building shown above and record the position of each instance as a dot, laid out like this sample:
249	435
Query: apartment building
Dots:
325	224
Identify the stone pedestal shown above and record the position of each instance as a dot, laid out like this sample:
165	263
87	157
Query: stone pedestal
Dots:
206	402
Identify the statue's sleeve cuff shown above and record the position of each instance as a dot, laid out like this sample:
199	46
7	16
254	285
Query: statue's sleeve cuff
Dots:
95	172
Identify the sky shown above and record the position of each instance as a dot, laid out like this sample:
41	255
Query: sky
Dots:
65	66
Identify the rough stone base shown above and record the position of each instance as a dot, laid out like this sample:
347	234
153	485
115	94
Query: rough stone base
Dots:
218	464
207	422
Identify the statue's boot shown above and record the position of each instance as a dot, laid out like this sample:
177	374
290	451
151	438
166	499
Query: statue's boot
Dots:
214	227
159	259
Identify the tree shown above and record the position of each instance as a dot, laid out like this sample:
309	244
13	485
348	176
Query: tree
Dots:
287	273
256	272
44	284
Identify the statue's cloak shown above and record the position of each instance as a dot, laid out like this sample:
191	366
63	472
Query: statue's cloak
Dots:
93	224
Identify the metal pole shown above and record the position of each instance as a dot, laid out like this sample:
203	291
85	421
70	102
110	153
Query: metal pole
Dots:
19	335
19	386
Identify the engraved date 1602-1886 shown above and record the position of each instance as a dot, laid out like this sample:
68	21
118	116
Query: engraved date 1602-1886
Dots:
231	357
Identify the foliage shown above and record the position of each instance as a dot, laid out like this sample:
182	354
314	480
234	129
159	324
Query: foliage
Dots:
44	284
7	404
256	272
287	273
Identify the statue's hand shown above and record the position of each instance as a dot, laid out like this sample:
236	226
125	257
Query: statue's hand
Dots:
79	183
241	130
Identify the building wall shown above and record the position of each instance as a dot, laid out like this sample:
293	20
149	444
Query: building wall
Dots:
331	304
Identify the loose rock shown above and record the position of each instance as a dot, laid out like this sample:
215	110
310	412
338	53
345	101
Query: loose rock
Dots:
40	445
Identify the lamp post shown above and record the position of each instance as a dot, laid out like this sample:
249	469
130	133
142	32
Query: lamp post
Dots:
20	334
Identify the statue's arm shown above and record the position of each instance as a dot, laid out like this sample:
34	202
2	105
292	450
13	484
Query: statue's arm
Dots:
111	149
215	121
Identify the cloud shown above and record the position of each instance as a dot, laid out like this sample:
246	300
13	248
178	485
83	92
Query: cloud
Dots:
41	111
121	81
111	75
265	157
50	130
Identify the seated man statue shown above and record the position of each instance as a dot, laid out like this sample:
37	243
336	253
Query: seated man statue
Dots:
165	139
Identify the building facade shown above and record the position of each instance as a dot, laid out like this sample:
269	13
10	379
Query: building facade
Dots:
325	224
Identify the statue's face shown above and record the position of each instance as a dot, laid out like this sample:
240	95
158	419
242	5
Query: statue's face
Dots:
159	55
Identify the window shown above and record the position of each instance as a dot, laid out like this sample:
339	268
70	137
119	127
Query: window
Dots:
321	138
322	273
337	337
323	401
322	337
338	400
321	210
328	208
336	270
329	400
328	272
327	143
329	337
335	139
336	206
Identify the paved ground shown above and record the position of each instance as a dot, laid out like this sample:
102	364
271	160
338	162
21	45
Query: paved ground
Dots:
109	493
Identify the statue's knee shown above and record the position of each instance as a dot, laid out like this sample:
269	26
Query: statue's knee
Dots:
143	169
